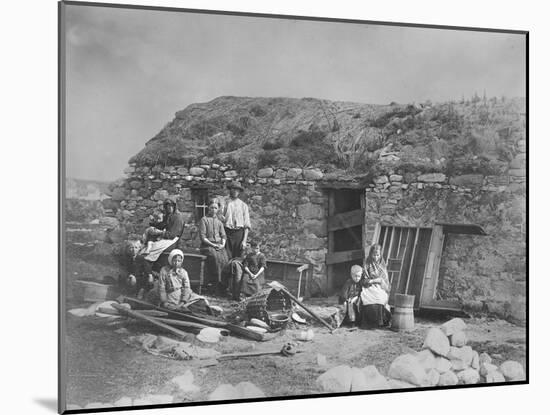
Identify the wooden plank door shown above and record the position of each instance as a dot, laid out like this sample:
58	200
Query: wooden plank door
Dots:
345	225
405	251
431	274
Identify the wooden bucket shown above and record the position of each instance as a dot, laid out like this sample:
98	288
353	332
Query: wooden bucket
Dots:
403	314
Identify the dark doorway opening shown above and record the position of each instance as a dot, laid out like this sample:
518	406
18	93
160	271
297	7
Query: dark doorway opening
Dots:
345	235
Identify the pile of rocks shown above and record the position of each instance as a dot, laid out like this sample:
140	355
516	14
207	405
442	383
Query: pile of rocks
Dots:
444	360
352	379
447	360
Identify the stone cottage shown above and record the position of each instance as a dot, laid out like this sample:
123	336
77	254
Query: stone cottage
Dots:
453	234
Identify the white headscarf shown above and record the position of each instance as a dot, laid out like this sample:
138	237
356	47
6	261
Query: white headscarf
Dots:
173	254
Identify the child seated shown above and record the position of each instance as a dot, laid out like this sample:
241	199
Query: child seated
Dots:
254	266
350	295
154	232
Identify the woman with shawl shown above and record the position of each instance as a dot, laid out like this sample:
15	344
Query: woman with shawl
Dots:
169	238
375	311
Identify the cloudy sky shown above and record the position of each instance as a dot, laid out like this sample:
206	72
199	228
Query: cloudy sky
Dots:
129	71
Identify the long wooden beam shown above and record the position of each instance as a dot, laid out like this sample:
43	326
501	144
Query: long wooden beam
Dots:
346	220
188	316
344	256
151	320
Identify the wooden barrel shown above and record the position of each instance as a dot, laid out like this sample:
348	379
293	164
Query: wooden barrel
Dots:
403	314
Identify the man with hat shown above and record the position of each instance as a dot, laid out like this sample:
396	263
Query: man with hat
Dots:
236	222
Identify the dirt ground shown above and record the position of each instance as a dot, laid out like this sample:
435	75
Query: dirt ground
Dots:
103	368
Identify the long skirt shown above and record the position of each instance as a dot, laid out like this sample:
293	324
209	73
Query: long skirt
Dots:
374	316
216	260
251	286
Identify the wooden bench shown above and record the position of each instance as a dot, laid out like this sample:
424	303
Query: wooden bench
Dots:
194	265
295	276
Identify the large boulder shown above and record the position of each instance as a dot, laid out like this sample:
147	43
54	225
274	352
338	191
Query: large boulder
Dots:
485	358
494	377
447	379
224	392
437	342
465	354
486	368
512	370
458	339
185	382
247	390
367	379
408	369
453	326
468	376
399	384
442	364
433	377
337	379
427	359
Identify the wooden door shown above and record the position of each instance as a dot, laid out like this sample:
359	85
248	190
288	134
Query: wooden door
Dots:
345	235
405	250
431	274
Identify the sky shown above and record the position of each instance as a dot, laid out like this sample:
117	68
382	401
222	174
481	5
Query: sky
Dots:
129	71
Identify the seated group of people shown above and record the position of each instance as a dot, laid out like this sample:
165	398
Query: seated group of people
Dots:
365	294
232	269
223	241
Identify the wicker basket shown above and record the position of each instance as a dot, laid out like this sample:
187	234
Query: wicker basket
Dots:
267	303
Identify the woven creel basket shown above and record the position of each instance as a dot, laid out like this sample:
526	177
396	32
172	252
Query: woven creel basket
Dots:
268	302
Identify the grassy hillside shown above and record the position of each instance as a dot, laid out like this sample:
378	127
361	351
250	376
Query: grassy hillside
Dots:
476	135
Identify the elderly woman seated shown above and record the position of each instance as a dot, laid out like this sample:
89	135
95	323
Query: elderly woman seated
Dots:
374	308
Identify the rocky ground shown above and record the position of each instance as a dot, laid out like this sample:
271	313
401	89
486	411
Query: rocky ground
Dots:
103	368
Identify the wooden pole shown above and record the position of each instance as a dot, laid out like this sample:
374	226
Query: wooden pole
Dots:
279	287
139	316
242	331
250	354
179	323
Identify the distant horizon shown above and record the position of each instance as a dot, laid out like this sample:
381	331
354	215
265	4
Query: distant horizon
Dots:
128	71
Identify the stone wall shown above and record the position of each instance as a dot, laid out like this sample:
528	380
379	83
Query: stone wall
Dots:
289	210
485	273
